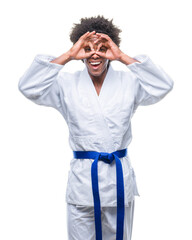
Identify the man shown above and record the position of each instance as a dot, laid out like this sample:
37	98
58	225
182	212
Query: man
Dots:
97	104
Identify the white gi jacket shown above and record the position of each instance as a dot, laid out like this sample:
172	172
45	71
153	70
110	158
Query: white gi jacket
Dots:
96	123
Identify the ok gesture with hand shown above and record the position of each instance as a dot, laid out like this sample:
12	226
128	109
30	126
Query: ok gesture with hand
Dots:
78	52
112	51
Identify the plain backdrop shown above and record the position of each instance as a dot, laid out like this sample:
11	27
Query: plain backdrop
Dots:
34	151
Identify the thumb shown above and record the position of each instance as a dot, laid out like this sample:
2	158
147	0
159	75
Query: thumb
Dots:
87	55
102	54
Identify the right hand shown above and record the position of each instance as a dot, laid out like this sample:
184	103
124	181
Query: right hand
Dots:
78	52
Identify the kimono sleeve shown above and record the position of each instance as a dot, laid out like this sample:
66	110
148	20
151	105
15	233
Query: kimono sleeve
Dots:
152	82
40	82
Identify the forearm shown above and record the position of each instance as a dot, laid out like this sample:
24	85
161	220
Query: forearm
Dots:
63	59
126	59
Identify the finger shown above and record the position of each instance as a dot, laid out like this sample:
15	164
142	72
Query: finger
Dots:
98	47
101	54
97	40
85	35
91	46
102	35
87	55
91	33
89	36
103	44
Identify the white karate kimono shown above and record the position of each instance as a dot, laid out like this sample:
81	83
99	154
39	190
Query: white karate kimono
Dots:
96	123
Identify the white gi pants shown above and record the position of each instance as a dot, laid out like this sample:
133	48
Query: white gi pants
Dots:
81	222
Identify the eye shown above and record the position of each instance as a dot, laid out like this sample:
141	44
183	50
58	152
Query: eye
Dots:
103	49
87	49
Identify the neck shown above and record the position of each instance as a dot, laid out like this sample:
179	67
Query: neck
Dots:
98	80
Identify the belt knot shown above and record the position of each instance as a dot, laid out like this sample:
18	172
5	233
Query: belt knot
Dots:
106	157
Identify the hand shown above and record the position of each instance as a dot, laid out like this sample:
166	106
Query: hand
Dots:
78	51
107	48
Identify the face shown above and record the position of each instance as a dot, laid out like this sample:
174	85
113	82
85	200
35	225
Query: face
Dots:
96	65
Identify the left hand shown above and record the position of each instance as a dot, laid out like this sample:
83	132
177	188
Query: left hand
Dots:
111	50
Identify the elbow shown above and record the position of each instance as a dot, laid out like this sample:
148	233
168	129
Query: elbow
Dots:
166	90
163	90
170	85
168	82
166	85
21	87
26	90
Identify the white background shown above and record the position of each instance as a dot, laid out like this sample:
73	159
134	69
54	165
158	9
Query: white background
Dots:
35	154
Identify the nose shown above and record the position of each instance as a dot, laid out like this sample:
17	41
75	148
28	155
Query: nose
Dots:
95	55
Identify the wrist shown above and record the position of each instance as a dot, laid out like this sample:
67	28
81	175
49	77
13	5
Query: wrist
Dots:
124	58
68	56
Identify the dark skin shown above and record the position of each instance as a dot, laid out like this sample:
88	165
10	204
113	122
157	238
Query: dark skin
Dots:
95	49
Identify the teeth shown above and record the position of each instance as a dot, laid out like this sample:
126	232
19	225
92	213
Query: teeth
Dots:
95	63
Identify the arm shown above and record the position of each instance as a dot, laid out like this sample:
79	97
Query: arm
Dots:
151	81
40	82
63	59
125	59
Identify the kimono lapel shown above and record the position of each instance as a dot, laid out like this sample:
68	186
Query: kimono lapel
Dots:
105	100
107	88
99	97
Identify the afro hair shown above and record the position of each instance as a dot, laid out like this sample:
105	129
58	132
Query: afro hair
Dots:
98	24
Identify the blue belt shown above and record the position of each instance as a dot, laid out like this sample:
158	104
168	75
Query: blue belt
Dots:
107	158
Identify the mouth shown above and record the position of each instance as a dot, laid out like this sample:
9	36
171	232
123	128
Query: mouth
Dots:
95	65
